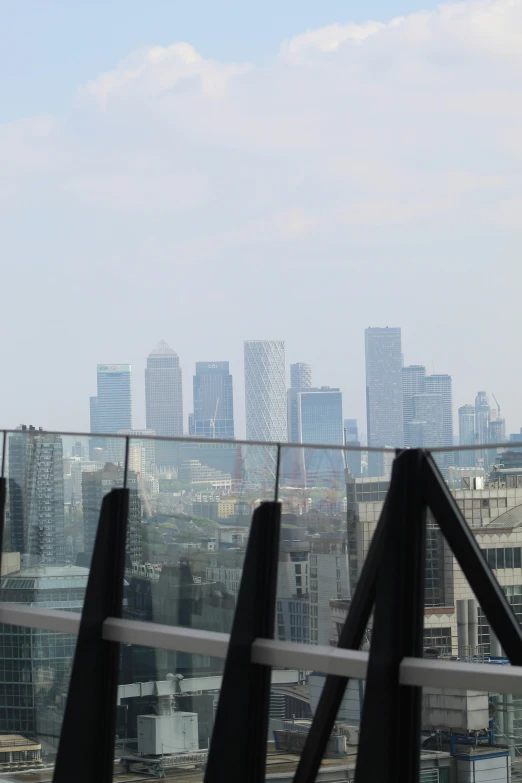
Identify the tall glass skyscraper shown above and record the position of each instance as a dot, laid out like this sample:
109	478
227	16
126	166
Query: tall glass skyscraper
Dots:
164	398
442	384
482	416
413	382
113	409
213	415
467	459
383	392
265	390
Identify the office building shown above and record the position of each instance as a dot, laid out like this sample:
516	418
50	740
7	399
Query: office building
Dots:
36	665
384	411
164	398
36	496
300	375
428	413
351	438
413	378
97	484
142	451
265	390
213	415
442	384
482	416
113	409
467	459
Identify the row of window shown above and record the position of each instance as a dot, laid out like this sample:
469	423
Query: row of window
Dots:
504	557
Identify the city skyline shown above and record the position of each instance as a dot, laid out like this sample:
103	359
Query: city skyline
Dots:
415	381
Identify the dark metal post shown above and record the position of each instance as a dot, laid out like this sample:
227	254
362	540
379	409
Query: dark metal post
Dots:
86	749
242	715
3	498
391	711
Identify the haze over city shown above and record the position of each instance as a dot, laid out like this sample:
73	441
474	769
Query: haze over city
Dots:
362	169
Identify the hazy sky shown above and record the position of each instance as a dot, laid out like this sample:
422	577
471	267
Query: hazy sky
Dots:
209	173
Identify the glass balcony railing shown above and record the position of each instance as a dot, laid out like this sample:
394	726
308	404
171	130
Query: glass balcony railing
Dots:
188	561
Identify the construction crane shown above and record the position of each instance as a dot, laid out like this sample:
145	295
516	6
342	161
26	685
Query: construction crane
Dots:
498	406
213	421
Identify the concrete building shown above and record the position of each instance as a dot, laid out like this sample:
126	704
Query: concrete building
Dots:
36	496
315	415
384	405
142	451
213	415
301	375
164	398
428	411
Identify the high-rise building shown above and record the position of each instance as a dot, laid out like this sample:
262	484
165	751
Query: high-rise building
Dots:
37	664
113	409
300	375
428	412
351	438
164	398
442	384
265	390
383	392
213	415
97	484
320	420
467	459
265	403
36	496
413	378
482	416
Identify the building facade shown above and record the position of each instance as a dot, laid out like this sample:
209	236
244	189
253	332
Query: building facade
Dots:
36	496
467	459
413	382
442	384
482	417
164	398
351	438
36	665
97	484
384	405
300	375
213	415
114	398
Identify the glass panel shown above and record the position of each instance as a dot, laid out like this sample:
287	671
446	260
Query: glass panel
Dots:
329	516
55	491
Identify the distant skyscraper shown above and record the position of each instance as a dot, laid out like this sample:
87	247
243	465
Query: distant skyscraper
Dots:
213	415
265	390
383	392
265	401
428	411
351	438
467	459
164	398
300	375
482	415
317	417
413	378
442	384
36	496
114	398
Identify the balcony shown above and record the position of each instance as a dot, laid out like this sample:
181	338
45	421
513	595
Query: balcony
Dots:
158	669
